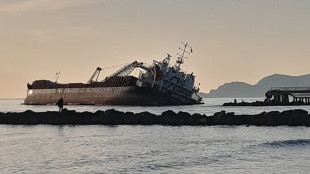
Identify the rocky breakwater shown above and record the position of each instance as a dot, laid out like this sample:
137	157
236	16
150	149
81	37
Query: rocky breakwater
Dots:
113	117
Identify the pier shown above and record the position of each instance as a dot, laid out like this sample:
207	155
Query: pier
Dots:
284	94
281	96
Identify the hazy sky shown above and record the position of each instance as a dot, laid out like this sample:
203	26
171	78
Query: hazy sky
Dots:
233	40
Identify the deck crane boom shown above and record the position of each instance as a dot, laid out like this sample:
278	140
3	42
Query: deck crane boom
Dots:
96	73
127	69
124	71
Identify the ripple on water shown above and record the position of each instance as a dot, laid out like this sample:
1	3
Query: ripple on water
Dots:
287	143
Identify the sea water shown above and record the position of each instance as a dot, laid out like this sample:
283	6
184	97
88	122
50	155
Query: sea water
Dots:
210	106
154	149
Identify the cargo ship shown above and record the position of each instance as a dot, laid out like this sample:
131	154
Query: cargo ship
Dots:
159	84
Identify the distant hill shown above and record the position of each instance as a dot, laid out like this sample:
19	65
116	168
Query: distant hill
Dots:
241	89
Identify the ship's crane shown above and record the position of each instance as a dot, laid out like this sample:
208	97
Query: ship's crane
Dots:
96	73
124	71
127	69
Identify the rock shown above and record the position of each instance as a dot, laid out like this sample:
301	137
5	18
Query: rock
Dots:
184	118
219	118
294	118
170	118
146	118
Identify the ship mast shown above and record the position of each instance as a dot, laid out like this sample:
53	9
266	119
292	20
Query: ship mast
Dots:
57	75
181	57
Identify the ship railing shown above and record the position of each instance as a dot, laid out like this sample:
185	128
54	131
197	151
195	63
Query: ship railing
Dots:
290	89
176	93
178	85
299	95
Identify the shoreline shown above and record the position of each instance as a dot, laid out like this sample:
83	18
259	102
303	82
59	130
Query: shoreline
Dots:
113	117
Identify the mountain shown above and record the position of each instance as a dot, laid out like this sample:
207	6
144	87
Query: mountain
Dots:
241	89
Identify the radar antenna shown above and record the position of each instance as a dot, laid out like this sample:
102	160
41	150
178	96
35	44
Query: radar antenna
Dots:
181	57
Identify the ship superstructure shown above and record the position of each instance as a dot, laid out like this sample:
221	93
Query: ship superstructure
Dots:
157	84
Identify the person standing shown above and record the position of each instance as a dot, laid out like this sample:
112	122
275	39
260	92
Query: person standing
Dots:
60	104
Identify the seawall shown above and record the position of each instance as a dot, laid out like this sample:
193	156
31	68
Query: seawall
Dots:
113	117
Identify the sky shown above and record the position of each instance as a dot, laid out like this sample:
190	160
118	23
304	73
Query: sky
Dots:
232	40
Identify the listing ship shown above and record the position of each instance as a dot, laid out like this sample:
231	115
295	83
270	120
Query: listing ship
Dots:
158	84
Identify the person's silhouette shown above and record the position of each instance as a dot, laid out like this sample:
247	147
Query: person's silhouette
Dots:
60	104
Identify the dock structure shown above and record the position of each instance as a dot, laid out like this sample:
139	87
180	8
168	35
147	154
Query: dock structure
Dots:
283	95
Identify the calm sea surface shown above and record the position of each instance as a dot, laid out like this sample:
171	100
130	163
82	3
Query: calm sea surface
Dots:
154	149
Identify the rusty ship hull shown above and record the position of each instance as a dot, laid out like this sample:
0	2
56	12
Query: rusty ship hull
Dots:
114	91
129	95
